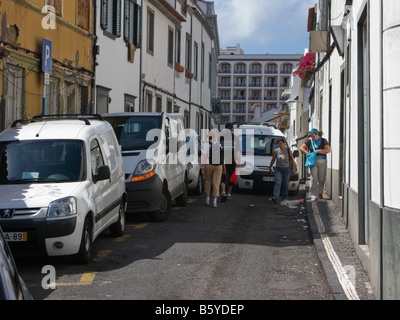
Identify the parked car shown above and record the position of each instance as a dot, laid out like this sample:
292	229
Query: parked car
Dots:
196	179
258	145
61	185
152	146
12	286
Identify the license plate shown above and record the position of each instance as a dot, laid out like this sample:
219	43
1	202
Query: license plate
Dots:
16	236
267	178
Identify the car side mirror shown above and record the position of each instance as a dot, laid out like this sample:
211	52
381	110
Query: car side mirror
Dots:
296	153
103	173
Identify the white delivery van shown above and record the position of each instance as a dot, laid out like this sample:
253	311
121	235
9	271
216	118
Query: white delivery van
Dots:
153	147
61	185
258	145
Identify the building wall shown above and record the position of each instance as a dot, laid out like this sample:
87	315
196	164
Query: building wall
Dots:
265	90
368	193
22	34
116	69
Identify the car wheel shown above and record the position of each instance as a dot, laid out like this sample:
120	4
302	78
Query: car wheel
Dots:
182	199
117	229
200	185
85	250
164	210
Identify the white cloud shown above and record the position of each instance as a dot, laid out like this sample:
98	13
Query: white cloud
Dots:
261	23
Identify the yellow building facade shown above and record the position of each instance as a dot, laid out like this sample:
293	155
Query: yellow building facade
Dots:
68	25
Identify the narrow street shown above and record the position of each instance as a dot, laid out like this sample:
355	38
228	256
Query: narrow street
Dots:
246	249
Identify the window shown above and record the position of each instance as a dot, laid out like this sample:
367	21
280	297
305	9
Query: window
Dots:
129	103
150	31
83	14
202	61
170	47
209	69
13	89
52	94
158	104
169	105
196	60
57	4
188	55
102	99
178	46
149	99
96	158
132	23
110	20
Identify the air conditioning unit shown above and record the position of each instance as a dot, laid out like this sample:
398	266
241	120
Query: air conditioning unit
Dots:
318	41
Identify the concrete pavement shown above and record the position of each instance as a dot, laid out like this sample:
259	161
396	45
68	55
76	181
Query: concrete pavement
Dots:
345	275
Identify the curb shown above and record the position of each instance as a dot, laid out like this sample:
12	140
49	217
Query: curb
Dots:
337	290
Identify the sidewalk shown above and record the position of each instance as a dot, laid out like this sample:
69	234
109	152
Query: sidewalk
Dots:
344	273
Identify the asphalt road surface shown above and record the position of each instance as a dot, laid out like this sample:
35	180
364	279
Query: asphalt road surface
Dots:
245	249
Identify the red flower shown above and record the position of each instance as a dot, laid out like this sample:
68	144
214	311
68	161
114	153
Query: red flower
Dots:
306	67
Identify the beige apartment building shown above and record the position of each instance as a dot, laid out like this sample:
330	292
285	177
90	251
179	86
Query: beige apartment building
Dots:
246	79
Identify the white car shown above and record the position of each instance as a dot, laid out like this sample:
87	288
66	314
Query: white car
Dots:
258	145
196	179
61	184
152	146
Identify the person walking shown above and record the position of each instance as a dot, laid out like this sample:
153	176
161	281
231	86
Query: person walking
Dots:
285	165
318	172
232	151
212	167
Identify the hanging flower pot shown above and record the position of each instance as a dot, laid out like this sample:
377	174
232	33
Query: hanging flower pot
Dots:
306	67
189	75
179	68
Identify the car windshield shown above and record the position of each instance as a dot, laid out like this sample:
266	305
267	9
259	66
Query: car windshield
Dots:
41	161
259	145
132	131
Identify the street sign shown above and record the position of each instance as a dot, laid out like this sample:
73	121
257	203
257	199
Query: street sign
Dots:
47	55
46	78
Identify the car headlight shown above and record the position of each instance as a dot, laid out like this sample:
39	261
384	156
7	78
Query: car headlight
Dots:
62	208
144	170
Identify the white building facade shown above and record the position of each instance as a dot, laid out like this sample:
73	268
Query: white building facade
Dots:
355	101
163	63
117	51
247	79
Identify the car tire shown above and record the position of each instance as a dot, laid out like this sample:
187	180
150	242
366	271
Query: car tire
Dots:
164	210
200	185
117	229
181	200
84	254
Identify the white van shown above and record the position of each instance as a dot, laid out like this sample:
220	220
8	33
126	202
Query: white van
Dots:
152	149
61	185
258	145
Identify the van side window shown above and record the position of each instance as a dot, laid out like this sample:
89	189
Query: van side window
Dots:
167	131
96	158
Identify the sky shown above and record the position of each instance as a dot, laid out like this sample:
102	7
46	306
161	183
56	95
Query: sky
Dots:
261	26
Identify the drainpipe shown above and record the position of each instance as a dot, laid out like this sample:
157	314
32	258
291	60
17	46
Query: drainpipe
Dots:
95	51
141	85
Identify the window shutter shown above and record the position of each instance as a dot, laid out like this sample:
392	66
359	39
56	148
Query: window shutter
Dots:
127	20
137	40
104	14
117	17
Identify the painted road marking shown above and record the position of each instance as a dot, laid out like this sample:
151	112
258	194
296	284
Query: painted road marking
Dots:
86	280
122	238
101	255
341	273
138	226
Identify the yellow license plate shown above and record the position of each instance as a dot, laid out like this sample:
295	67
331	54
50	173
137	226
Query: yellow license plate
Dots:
16	236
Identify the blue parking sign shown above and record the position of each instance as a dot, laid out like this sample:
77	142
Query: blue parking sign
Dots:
47	55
